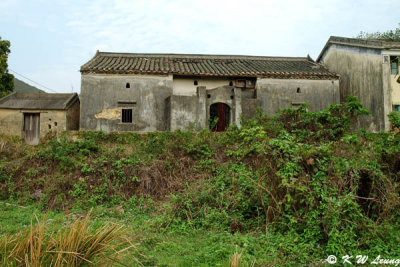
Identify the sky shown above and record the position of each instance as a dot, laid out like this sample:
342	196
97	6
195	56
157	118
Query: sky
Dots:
50	40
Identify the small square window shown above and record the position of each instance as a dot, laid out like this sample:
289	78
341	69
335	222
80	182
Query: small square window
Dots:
240	83
127	115
385	59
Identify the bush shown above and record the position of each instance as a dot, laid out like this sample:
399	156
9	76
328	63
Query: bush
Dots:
394	119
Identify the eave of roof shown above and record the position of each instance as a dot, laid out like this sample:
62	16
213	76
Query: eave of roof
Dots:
38	101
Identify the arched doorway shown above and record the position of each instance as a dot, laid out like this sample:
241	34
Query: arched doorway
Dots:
219	117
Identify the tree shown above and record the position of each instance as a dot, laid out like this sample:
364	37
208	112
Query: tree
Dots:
6	79
390	35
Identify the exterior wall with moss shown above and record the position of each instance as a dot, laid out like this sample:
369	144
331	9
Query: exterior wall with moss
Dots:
363	73
12	121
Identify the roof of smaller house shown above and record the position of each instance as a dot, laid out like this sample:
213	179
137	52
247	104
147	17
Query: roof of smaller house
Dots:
34	101
206	65
357	42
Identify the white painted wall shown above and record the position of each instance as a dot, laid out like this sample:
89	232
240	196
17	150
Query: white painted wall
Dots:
187	87
395	86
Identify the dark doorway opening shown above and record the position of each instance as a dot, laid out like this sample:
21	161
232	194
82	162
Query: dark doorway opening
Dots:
32	128
219	117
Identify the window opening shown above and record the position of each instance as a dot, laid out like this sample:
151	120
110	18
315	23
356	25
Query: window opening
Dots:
127	115
394	65
396	108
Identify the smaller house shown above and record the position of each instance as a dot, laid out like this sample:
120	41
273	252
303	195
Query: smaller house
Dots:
33	115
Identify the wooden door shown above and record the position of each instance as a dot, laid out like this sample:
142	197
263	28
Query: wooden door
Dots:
219	112
32	128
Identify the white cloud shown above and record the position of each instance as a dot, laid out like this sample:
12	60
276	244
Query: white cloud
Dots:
255	27
207	26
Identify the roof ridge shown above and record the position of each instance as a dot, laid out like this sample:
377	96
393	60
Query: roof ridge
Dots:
42	93
178	55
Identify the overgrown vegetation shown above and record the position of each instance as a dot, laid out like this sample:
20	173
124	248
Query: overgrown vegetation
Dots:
289	189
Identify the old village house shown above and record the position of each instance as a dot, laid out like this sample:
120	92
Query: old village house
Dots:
158	92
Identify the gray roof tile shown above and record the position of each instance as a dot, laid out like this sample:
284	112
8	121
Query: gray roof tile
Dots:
36	101
209	65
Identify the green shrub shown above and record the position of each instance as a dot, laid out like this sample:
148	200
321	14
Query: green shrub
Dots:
394	119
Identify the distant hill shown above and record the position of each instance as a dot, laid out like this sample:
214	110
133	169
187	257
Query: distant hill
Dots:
23	87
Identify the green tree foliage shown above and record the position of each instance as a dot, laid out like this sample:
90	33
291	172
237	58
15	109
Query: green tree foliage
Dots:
390	35
6	79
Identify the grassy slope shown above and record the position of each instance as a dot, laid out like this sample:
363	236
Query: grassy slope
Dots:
289	190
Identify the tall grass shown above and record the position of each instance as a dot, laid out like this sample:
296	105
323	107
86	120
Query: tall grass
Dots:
235	259
78	244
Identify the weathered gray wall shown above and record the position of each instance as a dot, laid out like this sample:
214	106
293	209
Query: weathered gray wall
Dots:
194	111
275	94
360	71
100	94
12	121
249	107
73	116
184	113
156	109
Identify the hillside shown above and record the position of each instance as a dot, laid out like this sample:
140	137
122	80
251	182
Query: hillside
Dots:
288	190
23	87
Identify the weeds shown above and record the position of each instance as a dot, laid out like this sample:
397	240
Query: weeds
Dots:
78	244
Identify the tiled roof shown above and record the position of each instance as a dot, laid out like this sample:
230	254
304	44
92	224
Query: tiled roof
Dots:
357	42
206	65
38	101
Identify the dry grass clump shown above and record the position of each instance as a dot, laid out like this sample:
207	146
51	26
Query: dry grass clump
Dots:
235	259
78	244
